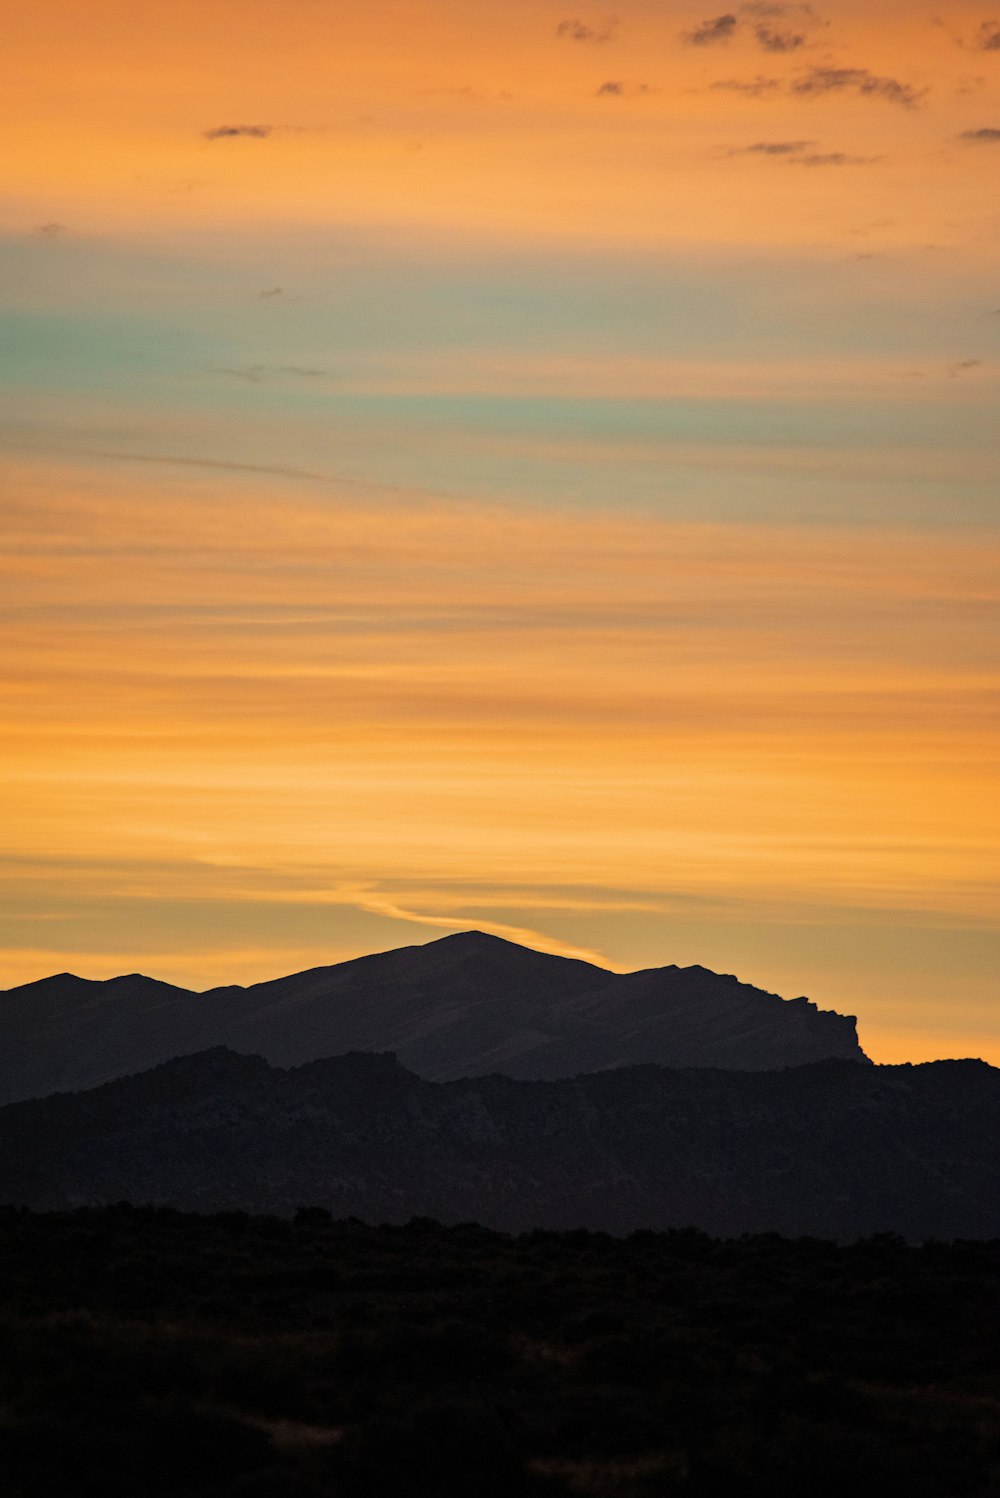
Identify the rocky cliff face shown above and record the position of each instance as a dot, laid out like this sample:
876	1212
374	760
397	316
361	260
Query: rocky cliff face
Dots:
466	1005
829	1149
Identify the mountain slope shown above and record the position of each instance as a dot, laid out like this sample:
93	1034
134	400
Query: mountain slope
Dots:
831	1149
465	1005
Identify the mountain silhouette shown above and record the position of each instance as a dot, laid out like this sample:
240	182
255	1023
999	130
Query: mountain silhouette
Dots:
465	1005
830	1149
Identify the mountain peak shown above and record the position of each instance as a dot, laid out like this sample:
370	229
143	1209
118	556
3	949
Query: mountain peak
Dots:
487	943
470	1003
475	938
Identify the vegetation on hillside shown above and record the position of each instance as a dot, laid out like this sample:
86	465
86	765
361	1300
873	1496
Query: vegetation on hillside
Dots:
150	1352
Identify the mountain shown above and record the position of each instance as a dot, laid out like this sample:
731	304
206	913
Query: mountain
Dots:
465	1005
830	1149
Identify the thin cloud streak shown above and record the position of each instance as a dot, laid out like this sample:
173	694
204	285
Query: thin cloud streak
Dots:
772	148
754	88
376	904
834	158
858	81
779	41
234	132
712	32
580	31
797	153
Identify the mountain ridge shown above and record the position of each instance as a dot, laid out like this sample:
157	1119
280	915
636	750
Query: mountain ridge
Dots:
463	1005
828	1149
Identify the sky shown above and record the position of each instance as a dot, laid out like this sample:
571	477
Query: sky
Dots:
531	468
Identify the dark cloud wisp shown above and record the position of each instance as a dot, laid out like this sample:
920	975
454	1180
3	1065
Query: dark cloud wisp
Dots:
797	153
988	37
769	37
819	81
767	12
858	81
579	31
228	132
834	158
754	88
615	89
718	29
779	41
772	148
987	135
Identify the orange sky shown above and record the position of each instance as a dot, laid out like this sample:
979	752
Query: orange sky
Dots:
461	118
506	468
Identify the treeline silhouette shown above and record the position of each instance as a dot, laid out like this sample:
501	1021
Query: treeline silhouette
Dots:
145	1351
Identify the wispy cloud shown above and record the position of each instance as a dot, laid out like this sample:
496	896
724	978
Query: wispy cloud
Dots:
766	12
754	88
797	153
718	29
987	135
229	132
767	36
615	89
378	904
860	81
259	132
579	31
962	366
772	148
835	158
50	230
779	41
820	81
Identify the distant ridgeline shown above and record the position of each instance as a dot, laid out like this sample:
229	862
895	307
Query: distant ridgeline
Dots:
830	1149
473	1079
465	1006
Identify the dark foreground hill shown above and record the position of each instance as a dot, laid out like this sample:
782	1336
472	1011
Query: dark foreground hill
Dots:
466	1005
833	1149
149	1353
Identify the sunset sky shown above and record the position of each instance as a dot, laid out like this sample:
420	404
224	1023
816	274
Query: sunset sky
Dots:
520	467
